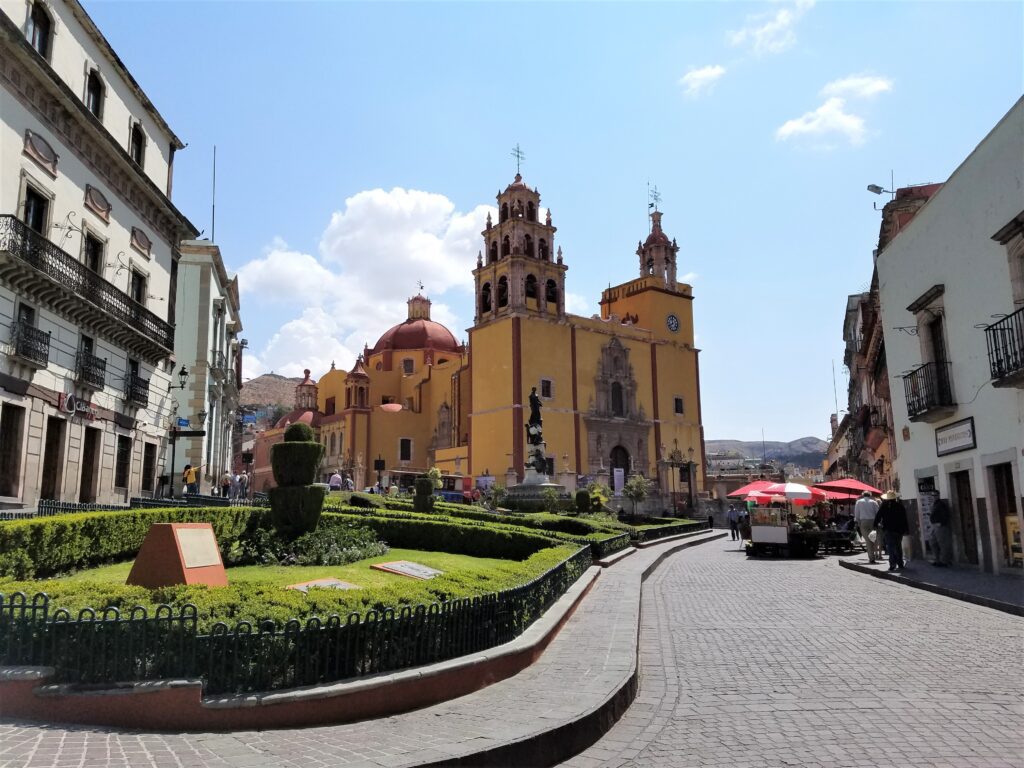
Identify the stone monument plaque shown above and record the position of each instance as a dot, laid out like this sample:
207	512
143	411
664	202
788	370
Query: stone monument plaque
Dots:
408	568
328	583
198	547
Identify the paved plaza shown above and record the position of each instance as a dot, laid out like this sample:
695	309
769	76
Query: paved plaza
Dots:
742	663
804	663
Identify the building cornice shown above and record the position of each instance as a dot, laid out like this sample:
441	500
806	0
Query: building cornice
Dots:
29	78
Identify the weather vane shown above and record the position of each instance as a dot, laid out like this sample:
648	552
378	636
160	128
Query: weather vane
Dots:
517	153
654	197
420	284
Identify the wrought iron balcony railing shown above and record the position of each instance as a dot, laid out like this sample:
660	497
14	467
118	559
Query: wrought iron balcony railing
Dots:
90	371
30	344
36	251
1005	341
136	391
927	389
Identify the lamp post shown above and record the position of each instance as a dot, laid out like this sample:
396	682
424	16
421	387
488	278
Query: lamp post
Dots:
674	460
689	478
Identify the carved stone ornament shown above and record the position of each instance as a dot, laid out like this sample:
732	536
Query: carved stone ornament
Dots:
97	202
39	149
141	241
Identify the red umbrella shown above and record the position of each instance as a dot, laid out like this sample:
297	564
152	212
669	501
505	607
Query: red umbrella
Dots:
749	488
847	484
795	492
836	496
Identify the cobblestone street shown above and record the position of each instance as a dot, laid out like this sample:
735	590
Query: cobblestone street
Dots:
803	663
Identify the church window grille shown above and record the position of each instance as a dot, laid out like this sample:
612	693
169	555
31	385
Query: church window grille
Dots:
504	212
528	245
547	389
503	292
405	449
531	287
408	366
531	212
493	256
542	250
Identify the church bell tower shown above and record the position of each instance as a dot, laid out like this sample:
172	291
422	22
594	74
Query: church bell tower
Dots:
519	271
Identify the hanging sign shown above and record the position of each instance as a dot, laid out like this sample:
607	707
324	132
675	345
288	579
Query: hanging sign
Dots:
75	406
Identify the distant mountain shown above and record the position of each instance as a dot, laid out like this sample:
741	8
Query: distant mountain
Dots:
270	390
805	452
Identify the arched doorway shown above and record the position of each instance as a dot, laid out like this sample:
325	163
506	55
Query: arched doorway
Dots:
620	459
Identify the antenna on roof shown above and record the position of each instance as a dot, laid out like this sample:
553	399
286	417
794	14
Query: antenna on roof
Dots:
213	204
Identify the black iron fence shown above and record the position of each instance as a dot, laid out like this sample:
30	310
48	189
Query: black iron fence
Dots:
38	252
1005	341
90	370
104	647
30	343
927	387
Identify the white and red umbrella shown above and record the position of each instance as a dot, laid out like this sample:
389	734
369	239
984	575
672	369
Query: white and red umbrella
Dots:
740	493
795	492
848	485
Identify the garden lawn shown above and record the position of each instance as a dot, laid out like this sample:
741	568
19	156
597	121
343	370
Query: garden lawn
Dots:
359	573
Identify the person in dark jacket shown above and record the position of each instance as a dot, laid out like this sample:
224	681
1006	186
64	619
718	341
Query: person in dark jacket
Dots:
892	519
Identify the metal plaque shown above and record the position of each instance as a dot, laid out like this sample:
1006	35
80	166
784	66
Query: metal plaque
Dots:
198	547
408	568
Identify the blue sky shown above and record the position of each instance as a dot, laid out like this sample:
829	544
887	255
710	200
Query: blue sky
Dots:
358	146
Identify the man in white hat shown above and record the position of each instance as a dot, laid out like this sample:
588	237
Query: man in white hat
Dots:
864	512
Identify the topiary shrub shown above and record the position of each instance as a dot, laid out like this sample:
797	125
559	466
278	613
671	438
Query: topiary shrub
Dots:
582	502
367	500
423	500
296	504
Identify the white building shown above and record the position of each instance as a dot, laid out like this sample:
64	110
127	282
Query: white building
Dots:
952	288
208	324
88	240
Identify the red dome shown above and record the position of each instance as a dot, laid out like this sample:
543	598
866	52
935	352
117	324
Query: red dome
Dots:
312	418
418	333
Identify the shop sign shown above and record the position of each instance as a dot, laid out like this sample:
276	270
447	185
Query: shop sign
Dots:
955	437
75	406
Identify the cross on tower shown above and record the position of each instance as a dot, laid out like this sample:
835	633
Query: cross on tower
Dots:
655	197
517	153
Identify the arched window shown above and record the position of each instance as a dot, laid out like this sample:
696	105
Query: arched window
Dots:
551	292
40	30
531	212
506	246
617	406
348	398
362	397
493	255
408	366
94	93
137	147
542	249
502	292
504	212
531	287
485	298
528	245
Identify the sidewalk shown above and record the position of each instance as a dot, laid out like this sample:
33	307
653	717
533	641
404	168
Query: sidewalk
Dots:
1002	593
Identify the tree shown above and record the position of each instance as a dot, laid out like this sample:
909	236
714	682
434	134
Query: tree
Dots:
636	489
550	496
599	495
498	495
435	476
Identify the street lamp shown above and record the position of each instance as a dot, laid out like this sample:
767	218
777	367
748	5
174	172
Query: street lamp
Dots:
689	477
182	376
674	460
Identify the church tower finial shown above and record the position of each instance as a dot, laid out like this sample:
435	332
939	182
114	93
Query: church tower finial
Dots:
658	253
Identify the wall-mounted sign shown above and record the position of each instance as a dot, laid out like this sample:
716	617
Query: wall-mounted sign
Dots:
75	406
955	437
183	422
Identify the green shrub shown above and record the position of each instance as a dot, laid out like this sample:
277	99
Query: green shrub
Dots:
296	510
333	545
63	543
582	502
367	500
299	433
423	500
295	464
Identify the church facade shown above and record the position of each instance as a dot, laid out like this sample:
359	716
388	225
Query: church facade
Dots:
618	391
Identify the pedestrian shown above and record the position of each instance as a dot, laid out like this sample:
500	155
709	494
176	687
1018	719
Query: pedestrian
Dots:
942	534
243	485
892	518
225	484
335	482
235	484
188	475
733	518
864	512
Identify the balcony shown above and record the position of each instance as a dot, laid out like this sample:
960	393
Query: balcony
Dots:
136	391
90	371
58	280
1005	341
29	344
218	364
928	393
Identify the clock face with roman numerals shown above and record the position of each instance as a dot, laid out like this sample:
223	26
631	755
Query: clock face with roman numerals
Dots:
672	322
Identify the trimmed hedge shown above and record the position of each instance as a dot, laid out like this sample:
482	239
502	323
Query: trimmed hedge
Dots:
296	509
295	463
299	433
53	545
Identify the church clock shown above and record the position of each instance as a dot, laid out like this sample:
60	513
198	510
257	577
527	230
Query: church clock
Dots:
673	323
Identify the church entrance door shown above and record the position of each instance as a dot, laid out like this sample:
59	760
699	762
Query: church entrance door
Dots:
620	459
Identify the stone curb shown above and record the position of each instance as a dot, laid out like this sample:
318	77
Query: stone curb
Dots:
612	559
677	537
562	742
967	597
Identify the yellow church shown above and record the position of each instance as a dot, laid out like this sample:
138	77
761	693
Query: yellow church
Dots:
619	391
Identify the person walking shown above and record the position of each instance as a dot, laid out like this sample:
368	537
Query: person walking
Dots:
335	482
225	484
235	484
892	518
733	518
190	477
942	534
243	485
864	512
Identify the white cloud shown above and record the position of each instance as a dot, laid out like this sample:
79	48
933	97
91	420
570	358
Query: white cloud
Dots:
771	32
698	81
689	278
579	305
827	120
858	86
372	253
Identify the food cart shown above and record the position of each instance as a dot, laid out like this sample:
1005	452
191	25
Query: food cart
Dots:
774	531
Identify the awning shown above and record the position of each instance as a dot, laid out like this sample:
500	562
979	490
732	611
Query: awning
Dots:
847	485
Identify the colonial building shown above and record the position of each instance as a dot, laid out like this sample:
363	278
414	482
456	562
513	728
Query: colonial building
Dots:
951	290
88	258
208	324
619	390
